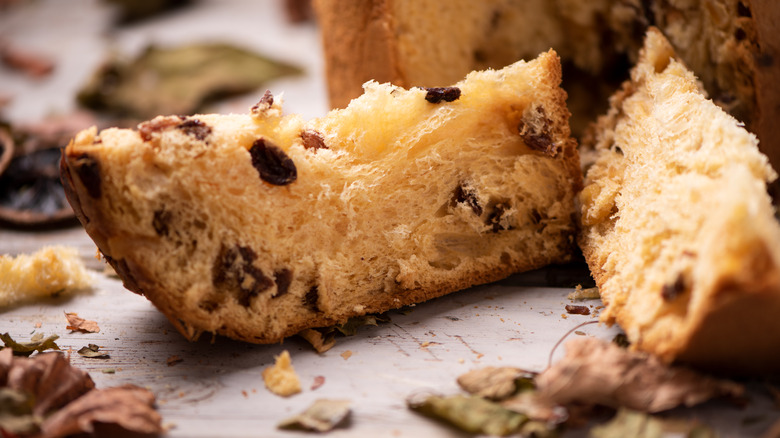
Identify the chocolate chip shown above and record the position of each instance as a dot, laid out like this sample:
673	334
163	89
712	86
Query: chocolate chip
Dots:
282	278
195	128
311	298
464	194
159	124
536	133
88	170
273	165
670	291
495	216
313	139
234	270
160	221
439	94
577	310
765	60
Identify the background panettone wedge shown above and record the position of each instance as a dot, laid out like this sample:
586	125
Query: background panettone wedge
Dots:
733	46
260	225
677	226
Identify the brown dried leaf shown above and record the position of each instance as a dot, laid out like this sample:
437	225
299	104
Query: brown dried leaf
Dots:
76	323
599	372
322	416
33	64
107	412
494	383
47	376
322	341
93	351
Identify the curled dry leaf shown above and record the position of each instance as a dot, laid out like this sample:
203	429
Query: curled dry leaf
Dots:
77	323
33	64
322	341
93	351
476	415
38	343
496	383
600	372
49	377
322	416
48	397
629	423
115	411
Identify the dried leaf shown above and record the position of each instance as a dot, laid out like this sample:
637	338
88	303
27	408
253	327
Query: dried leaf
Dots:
496	383
321	339
629	423
537	407
178	80
92	351
33	64
28	348
77	323
322	416
16	412
48	377
318	381
351	327
471	414
107	412
599	372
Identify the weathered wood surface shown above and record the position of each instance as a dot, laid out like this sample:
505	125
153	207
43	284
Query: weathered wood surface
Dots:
217	389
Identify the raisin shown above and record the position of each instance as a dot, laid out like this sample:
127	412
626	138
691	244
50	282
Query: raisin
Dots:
537	135
670	291
463	195
283	278
146	129
234	269
265	102
88	170
494	218
160	222
311	298
442	94
273	165
743	10
195	128
577	310
313	139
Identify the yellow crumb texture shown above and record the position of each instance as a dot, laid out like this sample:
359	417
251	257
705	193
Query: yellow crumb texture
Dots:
280	378
50	271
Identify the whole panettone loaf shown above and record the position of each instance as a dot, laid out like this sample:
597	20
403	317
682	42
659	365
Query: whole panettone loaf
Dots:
677	226
733	46
258	226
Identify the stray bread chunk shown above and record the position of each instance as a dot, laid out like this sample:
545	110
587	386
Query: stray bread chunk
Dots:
258	226
677	226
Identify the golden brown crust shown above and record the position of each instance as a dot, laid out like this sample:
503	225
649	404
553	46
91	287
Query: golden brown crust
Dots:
357	37
766	15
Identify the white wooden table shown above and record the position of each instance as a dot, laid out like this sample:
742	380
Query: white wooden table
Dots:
217	389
